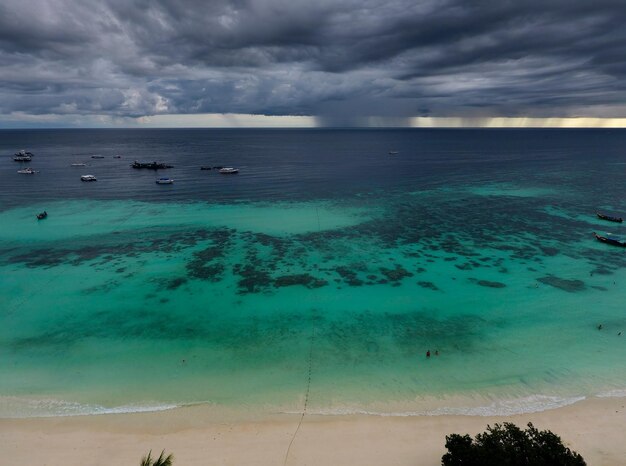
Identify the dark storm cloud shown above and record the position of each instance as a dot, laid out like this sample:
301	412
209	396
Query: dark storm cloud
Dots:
334	59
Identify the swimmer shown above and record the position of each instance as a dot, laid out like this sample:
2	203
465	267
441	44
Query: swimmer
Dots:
436	352
428	354
600	327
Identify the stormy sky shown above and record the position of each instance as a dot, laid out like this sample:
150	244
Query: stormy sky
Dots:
339	62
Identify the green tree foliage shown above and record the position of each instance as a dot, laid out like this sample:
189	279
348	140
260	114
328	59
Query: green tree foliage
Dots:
508	445
160	461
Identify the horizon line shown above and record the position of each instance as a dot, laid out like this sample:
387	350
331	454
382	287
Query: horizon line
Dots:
258	121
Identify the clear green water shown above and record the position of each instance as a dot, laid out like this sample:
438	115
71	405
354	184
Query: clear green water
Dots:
127	305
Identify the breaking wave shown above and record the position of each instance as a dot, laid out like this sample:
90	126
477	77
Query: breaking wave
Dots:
525	405
12	407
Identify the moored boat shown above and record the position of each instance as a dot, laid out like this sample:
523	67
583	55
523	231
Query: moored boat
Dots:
608	239
27	171
150	165
22	158
88	178
229	171
97	156
165	181
393	152
79	164
609	218
23	153
42	215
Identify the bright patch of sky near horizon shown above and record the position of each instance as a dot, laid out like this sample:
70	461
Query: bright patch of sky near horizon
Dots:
289	121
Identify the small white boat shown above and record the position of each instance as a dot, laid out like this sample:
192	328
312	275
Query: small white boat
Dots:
229	171
79	164
165	181
97	156
88	178
393	152
27	171
24	153
22	158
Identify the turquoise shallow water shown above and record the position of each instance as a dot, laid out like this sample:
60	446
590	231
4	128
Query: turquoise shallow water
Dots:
296	281
133	305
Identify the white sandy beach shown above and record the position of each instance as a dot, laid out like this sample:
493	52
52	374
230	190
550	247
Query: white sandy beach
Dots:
596	428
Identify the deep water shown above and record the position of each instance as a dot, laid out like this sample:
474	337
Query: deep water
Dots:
325	266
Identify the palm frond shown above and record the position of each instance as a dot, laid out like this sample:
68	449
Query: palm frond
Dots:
147	460
167	461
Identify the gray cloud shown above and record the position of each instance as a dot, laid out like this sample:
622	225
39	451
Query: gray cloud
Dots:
333	59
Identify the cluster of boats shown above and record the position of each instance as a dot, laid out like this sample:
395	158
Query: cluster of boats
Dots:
608	238
24	156
156	166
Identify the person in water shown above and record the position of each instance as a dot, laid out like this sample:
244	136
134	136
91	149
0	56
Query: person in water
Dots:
428	354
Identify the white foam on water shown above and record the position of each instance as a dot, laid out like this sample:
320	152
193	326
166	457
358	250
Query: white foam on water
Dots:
614	393
12	407
525	405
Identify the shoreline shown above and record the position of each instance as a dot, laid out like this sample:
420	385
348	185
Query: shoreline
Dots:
196	436
29	407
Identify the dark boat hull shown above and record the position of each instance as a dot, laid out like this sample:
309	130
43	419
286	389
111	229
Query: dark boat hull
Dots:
611	241
150	165
608	218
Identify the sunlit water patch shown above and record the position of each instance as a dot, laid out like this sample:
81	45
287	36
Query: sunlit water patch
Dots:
512	190
74	219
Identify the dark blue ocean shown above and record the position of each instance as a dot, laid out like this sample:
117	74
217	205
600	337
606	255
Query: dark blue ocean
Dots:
303	164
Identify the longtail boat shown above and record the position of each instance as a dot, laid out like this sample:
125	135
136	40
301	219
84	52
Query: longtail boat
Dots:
609	218
608	240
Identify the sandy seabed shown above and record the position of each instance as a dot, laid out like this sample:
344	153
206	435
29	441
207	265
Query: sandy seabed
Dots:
596	428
